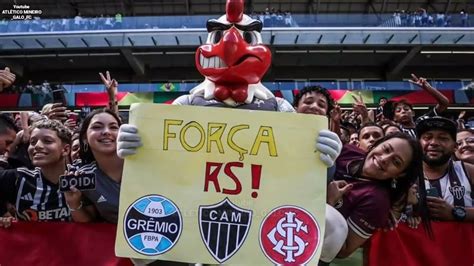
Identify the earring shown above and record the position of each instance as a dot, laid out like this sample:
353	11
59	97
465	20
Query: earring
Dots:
394	183
86	147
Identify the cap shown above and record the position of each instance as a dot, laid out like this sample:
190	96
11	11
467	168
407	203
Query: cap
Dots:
424	124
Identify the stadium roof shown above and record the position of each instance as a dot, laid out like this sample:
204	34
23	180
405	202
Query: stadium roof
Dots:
298	53
60	8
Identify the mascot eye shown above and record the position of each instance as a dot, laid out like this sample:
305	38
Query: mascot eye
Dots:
216	36
250	37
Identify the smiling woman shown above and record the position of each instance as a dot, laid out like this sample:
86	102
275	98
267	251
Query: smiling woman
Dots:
465	145
98	153
379	179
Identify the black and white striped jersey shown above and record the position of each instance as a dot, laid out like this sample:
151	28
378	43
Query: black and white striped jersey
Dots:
34	197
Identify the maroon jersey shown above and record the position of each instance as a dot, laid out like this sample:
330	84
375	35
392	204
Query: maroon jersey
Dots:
366	206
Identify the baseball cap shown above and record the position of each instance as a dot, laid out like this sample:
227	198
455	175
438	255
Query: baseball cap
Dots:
427	123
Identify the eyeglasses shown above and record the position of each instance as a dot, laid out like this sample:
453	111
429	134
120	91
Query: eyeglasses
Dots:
466	141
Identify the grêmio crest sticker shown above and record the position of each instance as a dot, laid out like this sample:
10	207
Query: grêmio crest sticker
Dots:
224	228
152	225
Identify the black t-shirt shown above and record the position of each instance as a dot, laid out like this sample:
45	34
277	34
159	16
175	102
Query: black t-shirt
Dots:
34	197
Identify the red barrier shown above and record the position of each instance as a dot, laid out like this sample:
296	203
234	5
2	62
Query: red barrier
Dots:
423	97
96	98
9	100
93	244
453	244
59	244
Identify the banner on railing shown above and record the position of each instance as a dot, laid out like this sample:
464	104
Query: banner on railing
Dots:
453	244
57	244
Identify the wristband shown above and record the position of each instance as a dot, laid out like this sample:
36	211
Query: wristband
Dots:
74	209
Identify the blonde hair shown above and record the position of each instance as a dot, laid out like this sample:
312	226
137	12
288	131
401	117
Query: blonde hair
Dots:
46	108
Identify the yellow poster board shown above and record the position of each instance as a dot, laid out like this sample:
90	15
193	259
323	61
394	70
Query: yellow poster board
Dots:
218	185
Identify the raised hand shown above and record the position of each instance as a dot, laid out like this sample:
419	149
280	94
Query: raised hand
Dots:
57	112
359	105
71	124
419	81
6	78
25	136
360	108
336	113
111	85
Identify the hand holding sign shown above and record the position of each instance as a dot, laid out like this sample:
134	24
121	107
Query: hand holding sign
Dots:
128	140
79	181
329	145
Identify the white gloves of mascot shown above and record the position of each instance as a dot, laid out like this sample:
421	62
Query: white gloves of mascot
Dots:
327	143
128	140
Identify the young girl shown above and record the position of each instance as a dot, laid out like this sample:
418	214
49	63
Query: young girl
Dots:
98	153
379	179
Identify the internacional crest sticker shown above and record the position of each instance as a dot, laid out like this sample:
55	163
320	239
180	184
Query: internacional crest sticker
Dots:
289	235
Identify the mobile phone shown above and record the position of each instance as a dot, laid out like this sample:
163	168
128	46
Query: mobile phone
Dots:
59	97
432	192
73	116
81	182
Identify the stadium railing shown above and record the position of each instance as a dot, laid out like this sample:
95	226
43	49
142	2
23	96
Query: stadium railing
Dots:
273	86
173	22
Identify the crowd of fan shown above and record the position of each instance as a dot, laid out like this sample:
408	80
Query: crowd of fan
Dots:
35	147
66	24
421	18
42	94
274	18
270	18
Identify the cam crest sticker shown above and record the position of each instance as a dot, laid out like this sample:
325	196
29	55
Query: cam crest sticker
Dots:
457	191
152	225
224	228
289	235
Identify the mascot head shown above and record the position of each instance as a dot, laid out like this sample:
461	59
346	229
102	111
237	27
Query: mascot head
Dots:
233	57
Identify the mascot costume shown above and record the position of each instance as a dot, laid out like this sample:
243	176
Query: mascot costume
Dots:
233	62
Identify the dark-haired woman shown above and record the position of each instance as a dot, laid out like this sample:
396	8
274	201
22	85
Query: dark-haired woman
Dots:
98	153
379	179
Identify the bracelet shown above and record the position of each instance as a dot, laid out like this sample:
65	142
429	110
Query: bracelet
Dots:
74	209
